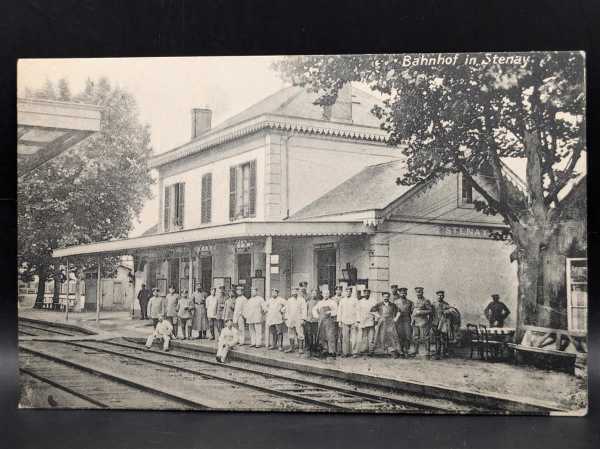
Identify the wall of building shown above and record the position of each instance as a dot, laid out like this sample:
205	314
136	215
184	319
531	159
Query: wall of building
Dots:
468	269
191	170
318	164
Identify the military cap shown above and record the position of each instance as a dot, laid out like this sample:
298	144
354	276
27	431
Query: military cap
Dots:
495	295
419	288
393	286
402	289
440	291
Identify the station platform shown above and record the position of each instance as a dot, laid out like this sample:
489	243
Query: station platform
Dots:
493	384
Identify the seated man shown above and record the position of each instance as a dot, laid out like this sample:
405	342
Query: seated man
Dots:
228	338
164	331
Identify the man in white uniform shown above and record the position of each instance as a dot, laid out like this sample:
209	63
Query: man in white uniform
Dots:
164	331
228	338
295	316
238	313
253	313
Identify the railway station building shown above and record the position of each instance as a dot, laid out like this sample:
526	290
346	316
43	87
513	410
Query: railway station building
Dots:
288	192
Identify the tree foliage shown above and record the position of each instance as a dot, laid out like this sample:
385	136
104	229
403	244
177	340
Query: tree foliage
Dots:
468	119
91	192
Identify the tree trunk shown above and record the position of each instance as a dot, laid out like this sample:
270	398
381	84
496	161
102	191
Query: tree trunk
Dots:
42	273
56	293
528	272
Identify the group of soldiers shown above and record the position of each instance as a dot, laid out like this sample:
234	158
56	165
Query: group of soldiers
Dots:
350	323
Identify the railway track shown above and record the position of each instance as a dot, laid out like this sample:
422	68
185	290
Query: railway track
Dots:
237	386
94	389
38	329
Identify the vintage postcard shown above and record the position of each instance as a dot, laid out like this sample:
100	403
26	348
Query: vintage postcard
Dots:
382	233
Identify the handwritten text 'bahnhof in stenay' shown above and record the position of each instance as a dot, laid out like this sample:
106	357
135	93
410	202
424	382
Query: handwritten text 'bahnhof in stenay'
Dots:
466	59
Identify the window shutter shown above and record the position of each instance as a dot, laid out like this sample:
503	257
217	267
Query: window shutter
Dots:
167	209
206	198
252	205
180	203
232	192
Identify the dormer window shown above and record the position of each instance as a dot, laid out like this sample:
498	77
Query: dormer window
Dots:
466	190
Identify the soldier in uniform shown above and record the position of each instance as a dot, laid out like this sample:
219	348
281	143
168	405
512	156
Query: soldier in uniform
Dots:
338	327
395	292
441	325
421	322
366	322
239	321
326	312
386	334
295	316
311	324
496	311
143	297
403	321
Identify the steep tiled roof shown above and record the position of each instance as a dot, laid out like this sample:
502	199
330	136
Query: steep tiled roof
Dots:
372	188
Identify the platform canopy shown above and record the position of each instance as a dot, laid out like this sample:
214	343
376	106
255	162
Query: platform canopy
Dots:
232	231
46	128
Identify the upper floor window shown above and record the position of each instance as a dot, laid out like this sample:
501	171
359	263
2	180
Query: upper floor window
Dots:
206	201
242	191
174	206
466	190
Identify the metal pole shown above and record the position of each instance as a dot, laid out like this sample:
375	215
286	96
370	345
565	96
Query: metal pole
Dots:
268	250
98	293
133	296
190	274
67	305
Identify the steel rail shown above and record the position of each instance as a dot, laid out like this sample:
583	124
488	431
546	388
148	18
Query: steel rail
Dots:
356	394
114	378
298	398
63	387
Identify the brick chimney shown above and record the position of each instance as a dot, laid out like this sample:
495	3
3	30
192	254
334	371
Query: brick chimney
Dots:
201	121
341	110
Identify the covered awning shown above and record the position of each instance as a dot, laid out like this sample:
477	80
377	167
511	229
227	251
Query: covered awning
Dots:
240	230
46	128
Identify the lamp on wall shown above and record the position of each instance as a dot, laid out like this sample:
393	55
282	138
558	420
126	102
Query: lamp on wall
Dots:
350	274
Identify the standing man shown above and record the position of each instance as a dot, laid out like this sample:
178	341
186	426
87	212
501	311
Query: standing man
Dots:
347	316
395	292
421	321
312	323
220	314
253	312
171	306
338	328
386	334
211	312
295	316
496	311
200	320
185	312
441	325
275	308
238	312
143	298
326	311
366	323
156	307
403	321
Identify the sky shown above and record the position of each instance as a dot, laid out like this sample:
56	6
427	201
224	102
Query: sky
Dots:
166	90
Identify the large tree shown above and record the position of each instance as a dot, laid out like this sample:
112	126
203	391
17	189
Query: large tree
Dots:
452	117
92	192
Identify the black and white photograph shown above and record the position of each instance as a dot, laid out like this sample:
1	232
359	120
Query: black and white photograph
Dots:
351	233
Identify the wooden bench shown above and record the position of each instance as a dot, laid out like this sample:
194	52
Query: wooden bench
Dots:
549	348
